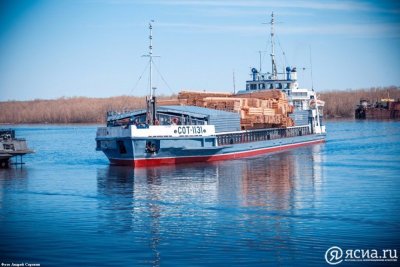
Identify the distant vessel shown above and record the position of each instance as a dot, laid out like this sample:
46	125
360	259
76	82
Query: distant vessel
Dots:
386	108
10	146
216	126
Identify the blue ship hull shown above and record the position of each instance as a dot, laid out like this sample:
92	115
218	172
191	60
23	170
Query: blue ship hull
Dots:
133	151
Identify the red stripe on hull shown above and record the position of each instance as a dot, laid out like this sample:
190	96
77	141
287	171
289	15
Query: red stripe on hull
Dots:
235	155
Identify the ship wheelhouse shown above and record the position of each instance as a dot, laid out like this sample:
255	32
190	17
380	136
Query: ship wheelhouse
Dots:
286	82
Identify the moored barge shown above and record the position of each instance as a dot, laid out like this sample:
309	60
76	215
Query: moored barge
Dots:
386	108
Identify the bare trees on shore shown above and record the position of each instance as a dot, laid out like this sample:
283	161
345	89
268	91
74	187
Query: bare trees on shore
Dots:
65	110
92	110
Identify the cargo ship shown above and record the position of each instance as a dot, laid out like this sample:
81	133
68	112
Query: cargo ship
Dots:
271	114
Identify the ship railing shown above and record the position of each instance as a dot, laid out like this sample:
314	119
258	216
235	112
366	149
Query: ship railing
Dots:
261	135
113	132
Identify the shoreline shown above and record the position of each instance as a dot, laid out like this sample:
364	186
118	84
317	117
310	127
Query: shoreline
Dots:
339	105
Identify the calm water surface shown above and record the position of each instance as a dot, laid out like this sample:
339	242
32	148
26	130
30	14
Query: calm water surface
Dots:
67	207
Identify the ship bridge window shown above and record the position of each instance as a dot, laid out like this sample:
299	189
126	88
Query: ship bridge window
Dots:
287	86
261	86
253	86
271	86
278	86
300	94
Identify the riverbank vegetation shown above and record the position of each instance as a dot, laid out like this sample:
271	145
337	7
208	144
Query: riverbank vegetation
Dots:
66	110
338	104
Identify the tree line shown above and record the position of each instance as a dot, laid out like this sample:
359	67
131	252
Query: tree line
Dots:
93	110
66	110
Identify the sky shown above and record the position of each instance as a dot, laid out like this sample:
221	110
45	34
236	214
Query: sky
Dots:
93	48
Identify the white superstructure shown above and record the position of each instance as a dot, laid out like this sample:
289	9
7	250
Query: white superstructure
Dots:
303	99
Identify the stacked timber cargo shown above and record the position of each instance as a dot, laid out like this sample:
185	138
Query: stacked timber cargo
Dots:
257	110
267	108
193	98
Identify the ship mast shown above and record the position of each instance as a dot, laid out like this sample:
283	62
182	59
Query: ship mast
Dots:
151	58
151	99
274	71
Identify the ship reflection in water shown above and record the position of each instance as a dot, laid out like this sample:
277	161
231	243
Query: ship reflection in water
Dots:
203	210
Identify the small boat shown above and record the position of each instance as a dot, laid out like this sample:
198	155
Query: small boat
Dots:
10	146
273	113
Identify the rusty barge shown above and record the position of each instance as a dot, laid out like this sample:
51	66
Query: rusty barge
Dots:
384	109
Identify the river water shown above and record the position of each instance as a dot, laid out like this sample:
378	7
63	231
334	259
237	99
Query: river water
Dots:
67	207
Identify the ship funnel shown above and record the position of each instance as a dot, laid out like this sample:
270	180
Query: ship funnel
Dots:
293	74
254	72
288	73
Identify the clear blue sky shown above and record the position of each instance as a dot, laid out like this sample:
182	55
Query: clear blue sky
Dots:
50	49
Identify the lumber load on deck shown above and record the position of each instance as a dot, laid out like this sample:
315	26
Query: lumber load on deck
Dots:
224	103
195	98
168	102
262	109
